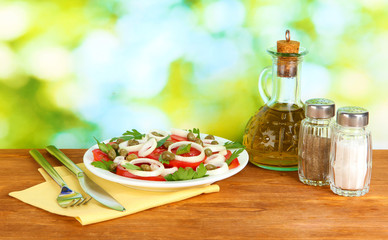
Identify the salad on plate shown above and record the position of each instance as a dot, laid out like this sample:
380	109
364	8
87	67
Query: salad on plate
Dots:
162	156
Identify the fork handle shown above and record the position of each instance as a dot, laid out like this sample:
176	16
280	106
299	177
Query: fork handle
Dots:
47	166
64	159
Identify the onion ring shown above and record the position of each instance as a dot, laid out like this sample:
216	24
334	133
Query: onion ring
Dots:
151	135
207	141
215	159
148	147
179	132
133	148
167	171
223	152
119	159
192	159
217	148
223	168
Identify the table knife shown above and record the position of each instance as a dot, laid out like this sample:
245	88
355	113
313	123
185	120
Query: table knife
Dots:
90	187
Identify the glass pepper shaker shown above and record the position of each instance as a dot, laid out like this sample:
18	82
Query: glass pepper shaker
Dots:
351	155
315	141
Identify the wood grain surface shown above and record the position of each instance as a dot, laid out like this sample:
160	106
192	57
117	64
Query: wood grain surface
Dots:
254	204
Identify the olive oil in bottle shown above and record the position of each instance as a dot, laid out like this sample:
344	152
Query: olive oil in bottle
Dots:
271	137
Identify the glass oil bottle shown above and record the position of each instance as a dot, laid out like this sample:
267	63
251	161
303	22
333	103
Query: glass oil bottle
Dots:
271	135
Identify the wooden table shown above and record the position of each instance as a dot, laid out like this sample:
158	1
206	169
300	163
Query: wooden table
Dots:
254	204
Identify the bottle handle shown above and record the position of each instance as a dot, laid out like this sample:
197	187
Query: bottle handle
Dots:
263	78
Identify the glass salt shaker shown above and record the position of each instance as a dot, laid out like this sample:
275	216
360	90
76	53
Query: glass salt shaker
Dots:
351	155
315	141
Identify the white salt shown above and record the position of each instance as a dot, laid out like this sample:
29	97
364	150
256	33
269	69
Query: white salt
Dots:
350	165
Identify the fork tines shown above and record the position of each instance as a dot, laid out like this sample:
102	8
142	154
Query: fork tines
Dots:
84	201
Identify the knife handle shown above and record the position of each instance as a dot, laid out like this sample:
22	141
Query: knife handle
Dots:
47	166
64	160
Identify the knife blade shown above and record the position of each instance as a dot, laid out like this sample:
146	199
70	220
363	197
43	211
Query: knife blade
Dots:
90	187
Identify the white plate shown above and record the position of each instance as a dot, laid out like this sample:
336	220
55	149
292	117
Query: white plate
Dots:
160	185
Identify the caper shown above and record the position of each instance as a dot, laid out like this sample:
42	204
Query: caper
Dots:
210	167
168	156
112	154
113	167
210	137
167	144
199	141
191	136
123	152
208	152
130	157
115	146
145	167
157	134
132	142
214	143
119	140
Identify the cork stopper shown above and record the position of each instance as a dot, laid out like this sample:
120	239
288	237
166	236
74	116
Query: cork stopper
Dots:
287	66
288	45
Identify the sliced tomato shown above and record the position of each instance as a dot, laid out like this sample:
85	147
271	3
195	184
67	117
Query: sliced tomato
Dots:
228	154
178	164
235	163
99	155
176	138
156	153
193	152
120	170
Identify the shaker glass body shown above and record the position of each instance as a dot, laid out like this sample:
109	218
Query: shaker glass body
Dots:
314	151
351	160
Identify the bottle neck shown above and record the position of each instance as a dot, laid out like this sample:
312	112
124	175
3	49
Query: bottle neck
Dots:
286	89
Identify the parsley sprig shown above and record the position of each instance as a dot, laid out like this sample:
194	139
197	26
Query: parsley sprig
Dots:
104	147
196	131
162	141
230	145
106	165
234	155
183	149
129	135
131	166
187	174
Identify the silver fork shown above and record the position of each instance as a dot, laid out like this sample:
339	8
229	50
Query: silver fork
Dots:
67	197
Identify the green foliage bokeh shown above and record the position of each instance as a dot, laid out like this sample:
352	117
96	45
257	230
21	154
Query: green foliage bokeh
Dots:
47	96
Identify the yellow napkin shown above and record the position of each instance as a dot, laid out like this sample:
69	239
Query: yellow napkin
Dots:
44	196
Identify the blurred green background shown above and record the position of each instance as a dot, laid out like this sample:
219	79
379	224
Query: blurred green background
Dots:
71	70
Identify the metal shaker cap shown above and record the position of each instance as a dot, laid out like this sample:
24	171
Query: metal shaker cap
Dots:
320	108
352	117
